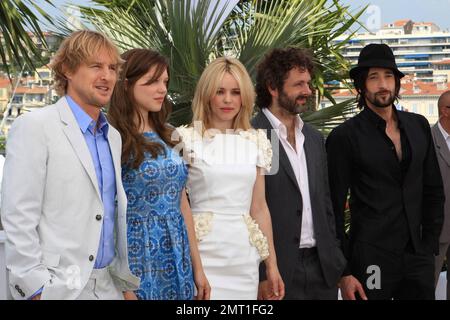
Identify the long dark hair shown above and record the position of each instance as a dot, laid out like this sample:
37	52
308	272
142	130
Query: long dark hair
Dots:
122	111
360	86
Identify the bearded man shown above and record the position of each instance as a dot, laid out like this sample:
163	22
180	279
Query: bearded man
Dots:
297	192
386	159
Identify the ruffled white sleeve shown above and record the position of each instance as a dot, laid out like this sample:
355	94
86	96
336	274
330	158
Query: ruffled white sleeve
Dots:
264	159
186	142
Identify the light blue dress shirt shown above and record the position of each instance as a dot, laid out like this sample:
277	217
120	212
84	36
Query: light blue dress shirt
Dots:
97	142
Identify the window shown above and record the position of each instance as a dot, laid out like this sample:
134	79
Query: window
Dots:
431	109
44	74
17	99
414	108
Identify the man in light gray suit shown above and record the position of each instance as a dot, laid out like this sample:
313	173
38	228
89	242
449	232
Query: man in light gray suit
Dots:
308	253
441	137
64	206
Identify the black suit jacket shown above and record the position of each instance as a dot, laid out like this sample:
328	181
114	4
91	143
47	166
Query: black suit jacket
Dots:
285	204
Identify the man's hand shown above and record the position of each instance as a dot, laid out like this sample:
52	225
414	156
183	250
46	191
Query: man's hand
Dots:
129	295
349	285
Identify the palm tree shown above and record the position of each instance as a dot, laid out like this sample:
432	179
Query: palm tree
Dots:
193	32
16	19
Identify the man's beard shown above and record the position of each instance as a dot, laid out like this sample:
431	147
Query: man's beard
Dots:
291	105
380	102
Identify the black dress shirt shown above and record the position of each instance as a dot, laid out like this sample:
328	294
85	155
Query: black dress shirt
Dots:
394	204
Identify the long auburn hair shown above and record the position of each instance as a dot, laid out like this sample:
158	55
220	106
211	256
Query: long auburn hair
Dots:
122	111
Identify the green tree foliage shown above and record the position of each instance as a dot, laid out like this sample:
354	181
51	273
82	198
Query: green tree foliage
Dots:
16	21
192	33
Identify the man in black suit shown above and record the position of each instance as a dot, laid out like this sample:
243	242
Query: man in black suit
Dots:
386	158
308	254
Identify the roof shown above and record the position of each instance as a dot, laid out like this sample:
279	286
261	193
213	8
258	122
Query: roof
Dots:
424	88
407	89
344	93
442	62
423	23
34	90
401	23
45	33
4	83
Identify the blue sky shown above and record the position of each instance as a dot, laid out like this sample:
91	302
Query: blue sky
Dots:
436	11
386	11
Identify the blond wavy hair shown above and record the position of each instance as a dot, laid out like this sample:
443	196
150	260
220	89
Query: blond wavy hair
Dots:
208	85
80	47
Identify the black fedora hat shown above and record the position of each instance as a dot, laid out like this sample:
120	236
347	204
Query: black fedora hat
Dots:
376	55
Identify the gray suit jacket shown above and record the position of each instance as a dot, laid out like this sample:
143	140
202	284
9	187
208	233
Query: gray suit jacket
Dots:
443	155
285	205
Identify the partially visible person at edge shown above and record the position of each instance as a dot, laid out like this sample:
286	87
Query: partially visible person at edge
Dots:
162	247
441	137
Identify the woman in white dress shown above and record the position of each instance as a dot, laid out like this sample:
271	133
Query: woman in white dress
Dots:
227	161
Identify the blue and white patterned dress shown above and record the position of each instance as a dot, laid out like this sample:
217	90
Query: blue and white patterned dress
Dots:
157	238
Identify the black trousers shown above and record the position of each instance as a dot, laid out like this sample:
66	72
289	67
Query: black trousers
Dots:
308	282
402	275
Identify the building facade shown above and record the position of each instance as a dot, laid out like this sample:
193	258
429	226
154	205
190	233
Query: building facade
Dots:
421	49
33	91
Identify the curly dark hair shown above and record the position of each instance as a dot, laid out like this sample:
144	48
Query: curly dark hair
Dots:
274	68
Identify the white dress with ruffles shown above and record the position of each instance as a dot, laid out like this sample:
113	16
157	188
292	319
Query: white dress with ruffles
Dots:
222	174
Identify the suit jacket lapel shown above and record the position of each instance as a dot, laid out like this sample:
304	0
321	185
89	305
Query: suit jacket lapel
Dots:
115	148
311	161
441	144
286	164
116	152
264	123
76	139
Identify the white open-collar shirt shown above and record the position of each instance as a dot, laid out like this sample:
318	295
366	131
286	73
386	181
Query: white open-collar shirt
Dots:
445	134
298	162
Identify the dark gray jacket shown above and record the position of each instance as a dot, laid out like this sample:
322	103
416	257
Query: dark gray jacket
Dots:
285	204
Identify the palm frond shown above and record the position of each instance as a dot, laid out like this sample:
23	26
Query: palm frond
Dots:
16	21
327	118
193	32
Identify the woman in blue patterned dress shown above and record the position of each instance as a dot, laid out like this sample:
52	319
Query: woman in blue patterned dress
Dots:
162	249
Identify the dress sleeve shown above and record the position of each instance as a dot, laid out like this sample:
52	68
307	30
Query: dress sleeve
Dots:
186	136
264	159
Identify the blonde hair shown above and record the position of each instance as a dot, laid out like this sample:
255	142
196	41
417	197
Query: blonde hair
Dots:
78	48
210	81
